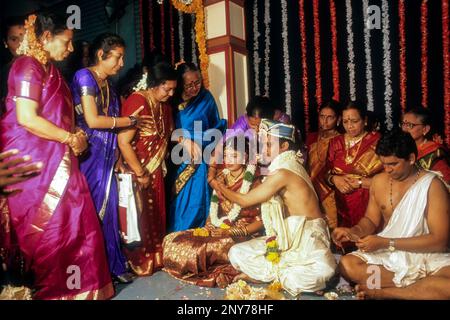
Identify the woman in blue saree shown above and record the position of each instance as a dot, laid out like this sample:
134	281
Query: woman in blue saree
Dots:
190	204
97	113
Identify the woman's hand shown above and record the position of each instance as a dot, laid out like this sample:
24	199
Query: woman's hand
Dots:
342	184
193	149
144	181
144	122
16	170
219	232
77	142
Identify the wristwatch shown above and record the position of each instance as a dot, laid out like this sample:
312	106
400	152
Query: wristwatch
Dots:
133	120
391	247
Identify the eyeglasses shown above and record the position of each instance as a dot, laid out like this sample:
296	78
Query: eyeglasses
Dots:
409	125
193	85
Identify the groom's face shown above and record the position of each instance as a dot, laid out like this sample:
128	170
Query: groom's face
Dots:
270	148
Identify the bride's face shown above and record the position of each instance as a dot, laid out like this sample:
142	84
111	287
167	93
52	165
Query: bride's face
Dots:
234	160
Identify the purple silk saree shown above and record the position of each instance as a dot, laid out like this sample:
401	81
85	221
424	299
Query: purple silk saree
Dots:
97	164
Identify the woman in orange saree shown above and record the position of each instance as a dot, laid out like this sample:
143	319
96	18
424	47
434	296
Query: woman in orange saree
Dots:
317	144
200	256
144	151
352	163
432	154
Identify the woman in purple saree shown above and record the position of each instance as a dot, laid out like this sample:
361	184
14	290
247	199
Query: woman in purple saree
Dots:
97	109
54	216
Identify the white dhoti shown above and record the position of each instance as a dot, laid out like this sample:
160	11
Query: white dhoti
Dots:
408	220
306	266
306	262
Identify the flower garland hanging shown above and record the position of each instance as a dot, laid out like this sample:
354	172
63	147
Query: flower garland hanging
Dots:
304	64
287	71
163	31
424	50
445	47
369	81
225	222
317	63
193	46
180	34
387	65
402	38
150	26
256	58
334	62
267	47
172	35
351	53
196	6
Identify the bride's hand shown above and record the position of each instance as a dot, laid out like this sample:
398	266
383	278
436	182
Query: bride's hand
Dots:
218	232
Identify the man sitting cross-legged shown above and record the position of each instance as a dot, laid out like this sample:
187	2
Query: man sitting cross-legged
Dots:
412	206
295	250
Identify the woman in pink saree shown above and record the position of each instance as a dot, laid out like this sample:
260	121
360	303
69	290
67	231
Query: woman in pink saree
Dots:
54	216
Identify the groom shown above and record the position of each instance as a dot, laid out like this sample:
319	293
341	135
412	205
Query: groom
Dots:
295	250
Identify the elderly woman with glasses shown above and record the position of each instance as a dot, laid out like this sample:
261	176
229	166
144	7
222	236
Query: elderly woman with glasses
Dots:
432	154
196	115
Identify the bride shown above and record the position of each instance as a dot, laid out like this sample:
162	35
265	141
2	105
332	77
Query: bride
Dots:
200	256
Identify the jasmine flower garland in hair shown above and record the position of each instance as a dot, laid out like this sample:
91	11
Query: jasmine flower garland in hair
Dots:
142	84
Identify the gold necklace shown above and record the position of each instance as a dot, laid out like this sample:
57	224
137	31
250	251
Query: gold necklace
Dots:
105	107
231	180
161	120
350	143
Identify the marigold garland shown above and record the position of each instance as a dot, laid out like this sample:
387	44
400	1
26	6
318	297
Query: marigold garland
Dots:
30	45
304	64
196	7
316	25
401	27
445	47
424	50
335	64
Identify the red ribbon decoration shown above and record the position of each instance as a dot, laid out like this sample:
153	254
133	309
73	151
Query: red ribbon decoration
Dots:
424	50
304	64
150	25
317	52
163	34
172	35
402	37
445	48
335	64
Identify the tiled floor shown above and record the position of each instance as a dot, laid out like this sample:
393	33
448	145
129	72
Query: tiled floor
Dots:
161	286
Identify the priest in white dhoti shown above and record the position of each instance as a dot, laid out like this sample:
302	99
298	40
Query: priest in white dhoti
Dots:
296	248
411	250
